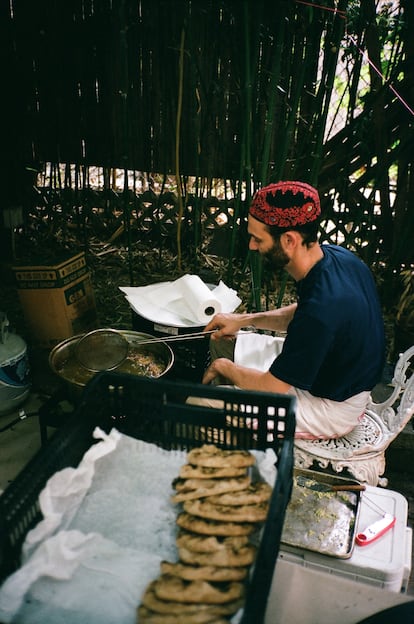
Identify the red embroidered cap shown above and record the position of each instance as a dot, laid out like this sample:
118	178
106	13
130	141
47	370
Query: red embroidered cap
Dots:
286	204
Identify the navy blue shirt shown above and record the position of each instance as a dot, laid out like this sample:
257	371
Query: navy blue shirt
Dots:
335	344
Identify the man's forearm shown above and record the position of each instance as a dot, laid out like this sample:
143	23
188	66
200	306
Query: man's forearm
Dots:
244	378
273	320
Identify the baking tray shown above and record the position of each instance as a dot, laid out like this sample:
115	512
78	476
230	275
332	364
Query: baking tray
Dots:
321	521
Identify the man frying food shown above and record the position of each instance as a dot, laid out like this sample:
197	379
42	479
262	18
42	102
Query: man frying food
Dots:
333	352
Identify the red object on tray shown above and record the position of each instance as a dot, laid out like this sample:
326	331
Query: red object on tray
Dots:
375	530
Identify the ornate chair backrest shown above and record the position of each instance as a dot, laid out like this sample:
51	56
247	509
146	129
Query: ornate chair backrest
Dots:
394	413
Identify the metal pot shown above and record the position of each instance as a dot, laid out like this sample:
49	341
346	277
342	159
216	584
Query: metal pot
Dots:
63	360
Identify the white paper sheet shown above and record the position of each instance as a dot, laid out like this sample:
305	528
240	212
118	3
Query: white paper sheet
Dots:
185	302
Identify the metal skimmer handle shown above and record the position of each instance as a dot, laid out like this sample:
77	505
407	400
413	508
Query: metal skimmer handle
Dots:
192	336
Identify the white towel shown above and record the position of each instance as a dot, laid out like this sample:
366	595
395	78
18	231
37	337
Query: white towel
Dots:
257	350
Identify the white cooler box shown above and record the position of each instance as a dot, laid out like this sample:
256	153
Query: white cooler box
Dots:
385	563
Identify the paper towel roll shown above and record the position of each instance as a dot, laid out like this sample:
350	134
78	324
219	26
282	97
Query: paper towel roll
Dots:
198	297
186	302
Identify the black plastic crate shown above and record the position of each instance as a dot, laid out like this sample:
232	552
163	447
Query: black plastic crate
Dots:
191	357
156	411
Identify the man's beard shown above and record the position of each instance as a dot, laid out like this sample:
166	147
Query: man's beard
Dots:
275	259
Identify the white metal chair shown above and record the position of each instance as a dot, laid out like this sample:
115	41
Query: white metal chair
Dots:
362	451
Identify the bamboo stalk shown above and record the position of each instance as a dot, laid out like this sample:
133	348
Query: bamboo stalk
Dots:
273	89
177	149
330	64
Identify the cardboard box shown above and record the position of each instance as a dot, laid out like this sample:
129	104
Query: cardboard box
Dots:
57	300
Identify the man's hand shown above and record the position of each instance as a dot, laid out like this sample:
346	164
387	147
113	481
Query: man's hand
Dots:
226	325
244	378
213	370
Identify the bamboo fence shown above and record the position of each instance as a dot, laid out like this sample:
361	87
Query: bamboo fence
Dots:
156	120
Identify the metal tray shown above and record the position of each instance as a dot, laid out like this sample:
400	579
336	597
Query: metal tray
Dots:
321	521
